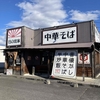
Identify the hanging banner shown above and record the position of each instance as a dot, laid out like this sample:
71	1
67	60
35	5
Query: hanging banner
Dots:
65	62
86	58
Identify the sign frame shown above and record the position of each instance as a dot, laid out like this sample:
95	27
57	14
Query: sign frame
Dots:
86	58
71	67
58	30
14	31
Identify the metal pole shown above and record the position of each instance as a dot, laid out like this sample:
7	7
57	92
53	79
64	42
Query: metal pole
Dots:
48	65
83	69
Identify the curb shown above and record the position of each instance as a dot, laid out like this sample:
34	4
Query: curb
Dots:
23	77
45	80
77	83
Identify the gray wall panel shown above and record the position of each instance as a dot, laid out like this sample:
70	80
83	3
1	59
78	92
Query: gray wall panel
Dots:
84	32
37	37
28	37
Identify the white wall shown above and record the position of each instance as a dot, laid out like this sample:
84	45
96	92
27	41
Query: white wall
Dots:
2	57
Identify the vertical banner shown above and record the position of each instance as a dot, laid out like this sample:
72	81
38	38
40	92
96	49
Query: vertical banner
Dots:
65	62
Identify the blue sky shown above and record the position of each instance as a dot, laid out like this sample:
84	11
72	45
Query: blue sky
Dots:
44	13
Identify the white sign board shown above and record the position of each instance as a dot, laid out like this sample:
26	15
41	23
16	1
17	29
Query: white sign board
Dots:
9	72
14	37
65	62
60	35
97	35
86	58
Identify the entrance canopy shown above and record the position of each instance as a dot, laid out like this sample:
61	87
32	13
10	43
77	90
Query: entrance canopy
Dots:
57	46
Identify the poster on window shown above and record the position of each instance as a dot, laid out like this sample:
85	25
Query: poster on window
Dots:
65	62
86	58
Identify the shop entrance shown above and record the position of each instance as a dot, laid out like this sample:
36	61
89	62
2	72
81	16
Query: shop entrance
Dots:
46	62
39	60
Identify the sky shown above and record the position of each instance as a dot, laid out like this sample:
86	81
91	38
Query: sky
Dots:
46	13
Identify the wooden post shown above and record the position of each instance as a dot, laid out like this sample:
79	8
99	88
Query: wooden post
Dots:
48	64
6	65
93	62
83	69
23	65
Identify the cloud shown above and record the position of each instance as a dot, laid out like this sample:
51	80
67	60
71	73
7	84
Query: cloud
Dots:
77	15
2	39
41	13
46	13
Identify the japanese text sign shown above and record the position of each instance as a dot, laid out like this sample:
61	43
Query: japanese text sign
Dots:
60	35
86	58
65	62
14	37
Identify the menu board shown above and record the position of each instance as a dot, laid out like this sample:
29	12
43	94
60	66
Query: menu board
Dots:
65	62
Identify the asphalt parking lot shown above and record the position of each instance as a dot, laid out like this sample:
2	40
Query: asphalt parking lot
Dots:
12	88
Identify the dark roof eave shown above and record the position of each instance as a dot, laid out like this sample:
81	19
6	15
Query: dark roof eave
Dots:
60	46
